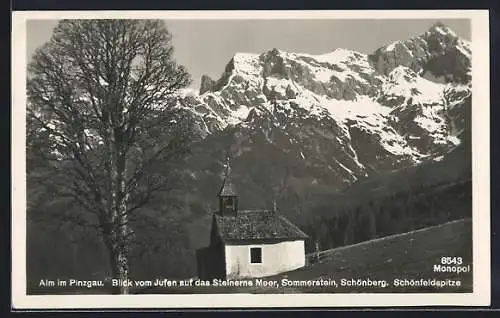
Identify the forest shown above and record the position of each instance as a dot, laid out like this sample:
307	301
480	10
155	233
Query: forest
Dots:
396	213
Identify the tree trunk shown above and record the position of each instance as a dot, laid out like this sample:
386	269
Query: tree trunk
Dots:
117	243
119	269
119	238
119	247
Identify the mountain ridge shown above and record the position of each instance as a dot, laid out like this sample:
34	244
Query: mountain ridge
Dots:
298	124
389	119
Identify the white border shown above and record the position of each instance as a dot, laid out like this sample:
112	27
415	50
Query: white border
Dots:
481	172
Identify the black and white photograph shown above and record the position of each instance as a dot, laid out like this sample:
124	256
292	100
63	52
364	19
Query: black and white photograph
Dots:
209	156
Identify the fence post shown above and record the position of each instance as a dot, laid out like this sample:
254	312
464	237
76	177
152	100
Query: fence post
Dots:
317	250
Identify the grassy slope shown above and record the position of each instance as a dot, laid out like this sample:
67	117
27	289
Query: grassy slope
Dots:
406	256
409	255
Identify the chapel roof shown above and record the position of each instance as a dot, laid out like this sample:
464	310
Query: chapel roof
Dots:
257	225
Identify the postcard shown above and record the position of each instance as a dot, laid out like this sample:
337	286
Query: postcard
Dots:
250	159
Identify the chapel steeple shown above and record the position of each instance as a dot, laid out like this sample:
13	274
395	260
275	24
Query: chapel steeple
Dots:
228	199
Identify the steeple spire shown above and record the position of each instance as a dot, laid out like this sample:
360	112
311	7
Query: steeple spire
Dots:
227	188
228	167
228	201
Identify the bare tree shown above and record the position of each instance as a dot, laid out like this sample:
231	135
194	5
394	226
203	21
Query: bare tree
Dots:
100	96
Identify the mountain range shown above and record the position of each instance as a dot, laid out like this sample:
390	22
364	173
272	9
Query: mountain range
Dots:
297	124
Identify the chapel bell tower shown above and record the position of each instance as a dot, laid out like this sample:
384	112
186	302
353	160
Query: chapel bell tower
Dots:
228	200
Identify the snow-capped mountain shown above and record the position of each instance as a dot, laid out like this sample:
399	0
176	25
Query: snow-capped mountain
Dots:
439	52
336	117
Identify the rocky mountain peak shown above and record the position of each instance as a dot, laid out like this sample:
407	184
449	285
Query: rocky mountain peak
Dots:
441	29
438	51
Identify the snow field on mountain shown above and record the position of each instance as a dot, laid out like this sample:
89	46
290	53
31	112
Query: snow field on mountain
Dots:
345	95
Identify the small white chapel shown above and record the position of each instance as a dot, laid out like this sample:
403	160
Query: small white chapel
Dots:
249	243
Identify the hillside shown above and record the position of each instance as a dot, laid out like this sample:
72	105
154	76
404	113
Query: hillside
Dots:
405	256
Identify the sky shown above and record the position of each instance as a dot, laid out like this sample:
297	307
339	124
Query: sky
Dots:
206	46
